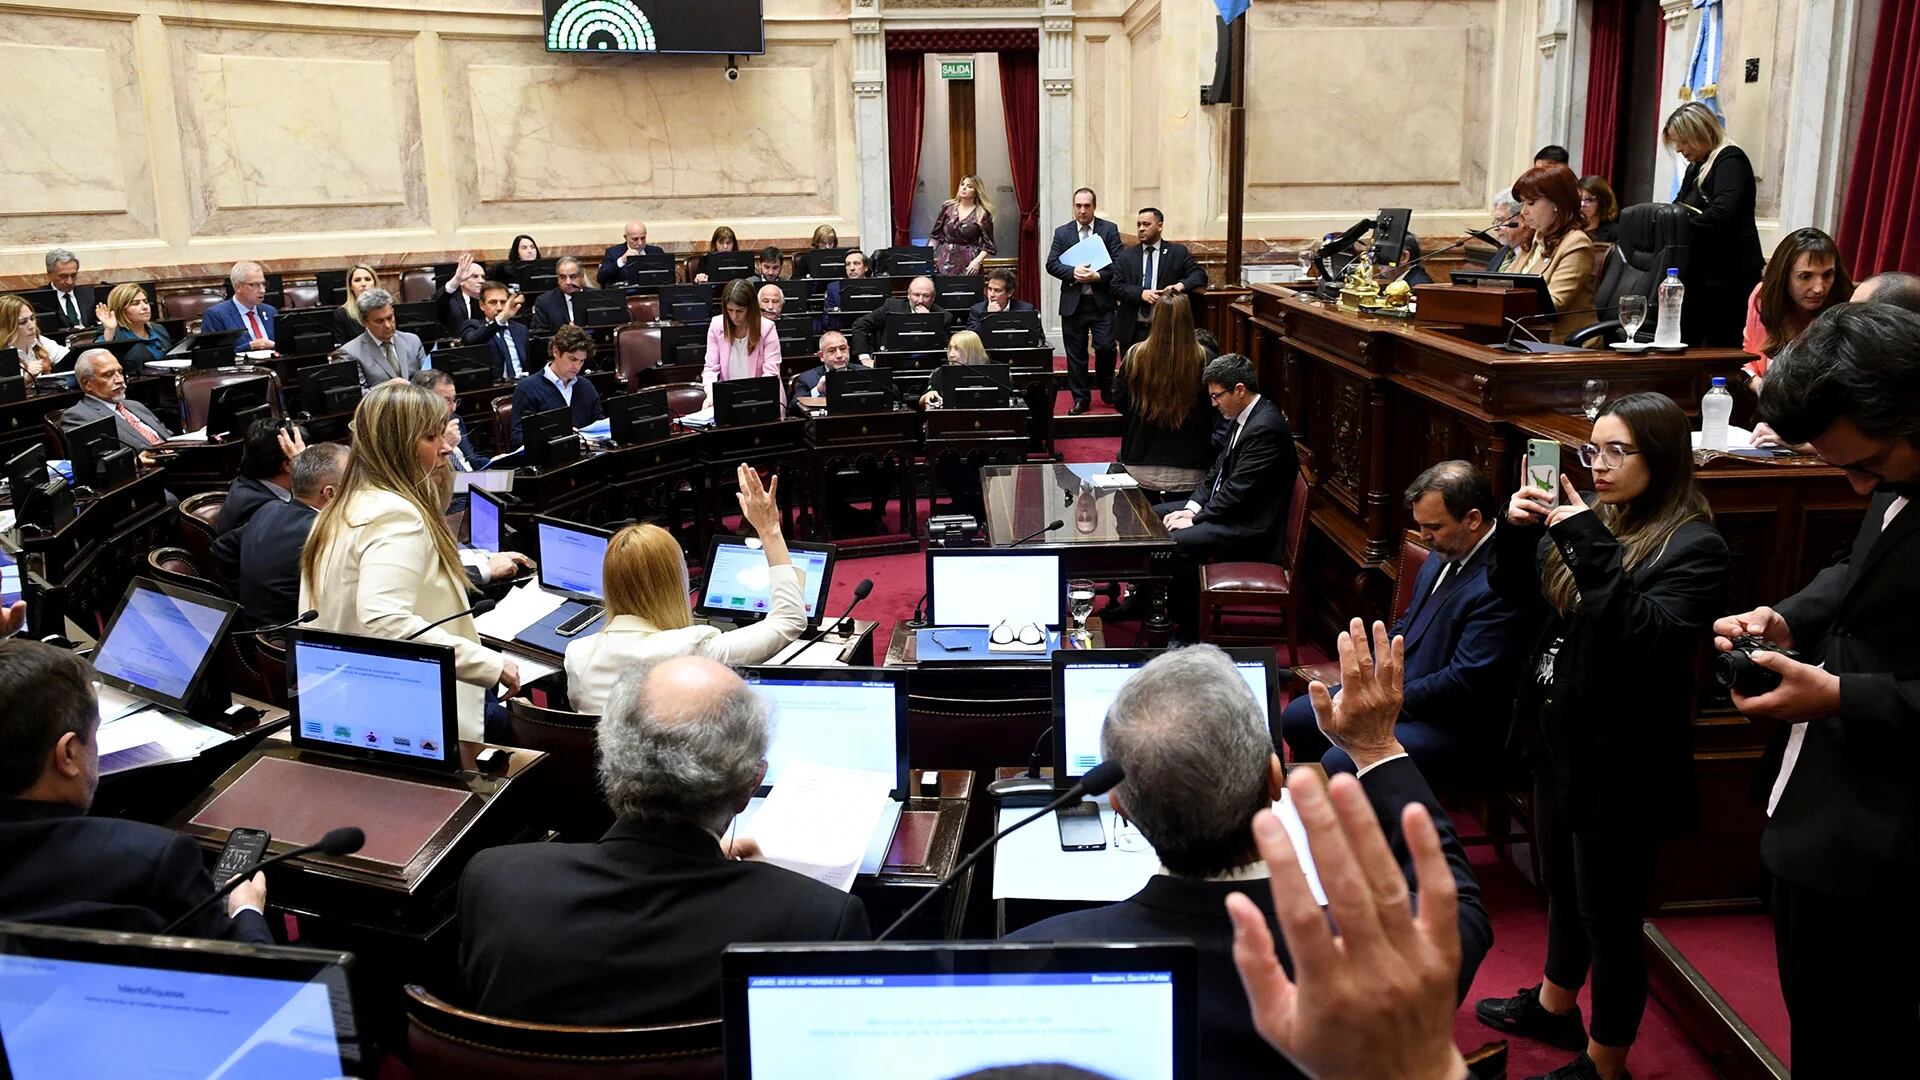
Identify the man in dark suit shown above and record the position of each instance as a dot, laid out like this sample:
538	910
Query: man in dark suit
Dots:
650	907
269	577
869	329
497	327
856	268
105	387
999	288
458	300
465	457
1144	273
613	265
248	311
1238	509
65	868
1199	763
1516	239
1463	640
266	476
73	302
555	307
1086	300
1843	814
560	385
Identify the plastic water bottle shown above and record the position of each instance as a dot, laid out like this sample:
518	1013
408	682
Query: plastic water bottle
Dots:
1716	406
1672	294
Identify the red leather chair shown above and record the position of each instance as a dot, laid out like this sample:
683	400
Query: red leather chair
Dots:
445	1042
566	789
643	309
1413	556
636	349
270	659
196	389
981	734
53	434
1259	589
176	566
502	409
198	514
685	398
416	286
190	305
294	297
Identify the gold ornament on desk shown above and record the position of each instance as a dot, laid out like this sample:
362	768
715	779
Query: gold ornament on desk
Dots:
1359	289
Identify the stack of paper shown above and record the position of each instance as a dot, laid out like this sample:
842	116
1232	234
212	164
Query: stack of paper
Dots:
152	737
818	820
523	606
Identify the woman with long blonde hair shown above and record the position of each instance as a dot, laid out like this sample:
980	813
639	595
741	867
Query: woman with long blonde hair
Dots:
20	329
128	316
1167	443
347	318
380	560
962	232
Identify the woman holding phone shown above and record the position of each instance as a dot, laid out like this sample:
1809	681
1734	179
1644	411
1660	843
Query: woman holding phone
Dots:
1626	582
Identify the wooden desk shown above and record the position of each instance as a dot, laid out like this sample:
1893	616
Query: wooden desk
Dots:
1110	535
880	447
112	514
926	845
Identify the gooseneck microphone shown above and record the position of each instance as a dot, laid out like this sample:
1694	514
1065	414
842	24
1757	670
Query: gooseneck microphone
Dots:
1520	324
1398	271
305	617
342	841
1099	780
860	592
477	609
1052	526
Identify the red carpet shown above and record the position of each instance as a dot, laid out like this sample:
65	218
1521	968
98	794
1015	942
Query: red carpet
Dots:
1735	953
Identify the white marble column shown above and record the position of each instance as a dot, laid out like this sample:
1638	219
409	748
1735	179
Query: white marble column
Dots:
1056	145
1679	18
1554	122
870	125
1812	182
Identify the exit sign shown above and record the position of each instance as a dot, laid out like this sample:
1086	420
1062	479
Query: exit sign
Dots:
956	67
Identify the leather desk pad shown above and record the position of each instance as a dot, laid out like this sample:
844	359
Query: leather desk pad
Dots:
298	802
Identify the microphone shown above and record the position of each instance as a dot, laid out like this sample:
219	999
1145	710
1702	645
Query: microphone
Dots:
1519	324
1025	787
480	608
1485	237
1099	780
305	617
341	841
1053	526
860	592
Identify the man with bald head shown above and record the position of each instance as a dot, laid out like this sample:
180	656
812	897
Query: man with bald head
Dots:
868	329
105	387
1896	287
628	930
773	301
613	267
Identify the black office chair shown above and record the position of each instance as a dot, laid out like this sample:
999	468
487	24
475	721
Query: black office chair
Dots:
1652	238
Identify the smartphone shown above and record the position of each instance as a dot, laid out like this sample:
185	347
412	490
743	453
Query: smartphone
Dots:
587	617
1543	467
1080	828
245	847
513	290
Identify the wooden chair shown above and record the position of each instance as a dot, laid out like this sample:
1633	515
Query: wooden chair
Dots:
567	786
196	391
445	1042
1413	556
198	515
1255	589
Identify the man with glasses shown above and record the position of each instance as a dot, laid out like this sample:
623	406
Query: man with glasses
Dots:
1236	512
1843	810
1514	236
556	307
247	312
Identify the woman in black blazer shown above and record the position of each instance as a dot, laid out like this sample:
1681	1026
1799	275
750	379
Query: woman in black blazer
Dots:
1167	443
1628	587
1725	261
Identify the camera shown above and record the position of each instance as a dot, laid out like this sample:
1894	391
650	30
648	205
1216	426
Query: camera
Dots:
1736	670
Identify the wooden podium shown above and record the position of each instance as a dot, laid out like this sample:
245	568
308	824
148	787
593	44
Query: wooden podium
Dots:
1468	305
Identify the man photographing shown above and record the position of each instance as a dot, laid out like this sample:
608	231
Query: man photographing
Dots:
1844	809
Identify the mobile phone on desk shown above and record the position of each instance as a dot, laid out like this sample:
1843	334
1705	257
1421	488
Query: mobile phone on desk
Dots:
244	848
587	617
1080	828
1543	467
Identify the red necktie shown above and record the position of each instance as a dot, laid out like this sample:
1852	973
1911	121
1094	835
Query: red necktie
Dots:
146	432
258	334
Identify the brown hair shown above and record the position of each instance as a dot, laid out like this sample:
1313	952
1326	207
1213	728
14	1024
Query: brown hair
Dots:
645	574
353	302
1163	373
825	237
570	339
13	312
123	297
740	294
723	233
1556	184
1778	313
1606	204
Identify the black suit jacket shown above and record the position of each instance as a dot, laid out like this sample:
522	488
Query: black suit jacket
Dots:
628	930
812	383
269	578
534	394
1849	819
979	311
1170	907
1064	238
869	330
64	868
1176	267
609	274
1245	494
477	331
550	311
246	497
1725	261
1465	646
58	322
453	309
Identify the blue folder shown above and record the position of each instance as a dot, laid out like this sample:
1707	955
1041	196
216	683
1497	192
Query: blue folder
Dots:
541	634
928	651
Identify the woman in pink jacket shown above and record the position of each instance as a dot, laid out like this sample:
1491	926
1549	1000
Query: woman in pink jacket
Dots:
741	343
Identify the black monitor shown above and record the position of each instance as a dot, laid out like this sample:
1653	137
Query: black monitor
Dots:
40	500
469	366
958	292
601	307
331	287
861	295
977	386
119	349
329	389
1490	279
736	585
12	388
572	557
851	718
106	1003
373	699
533	276
683	344
724	266
1085	682
211	340
304	332
419	319
639	417
747	401
1011	330
163	643
799	294
822	263
644	270
550	439
914	332
25	470
859	389
691	304
233	407
1390	235
796	335
987	586
486	513
905	260
100	460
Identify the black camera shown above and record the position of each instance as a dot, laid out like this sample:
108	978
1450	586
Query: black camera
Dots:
1736	670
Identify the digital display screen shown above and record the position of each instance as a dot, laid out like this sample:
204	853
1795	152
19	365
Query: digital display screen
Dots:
371	701
483	524
655	26
159	642
739	579
985	590
848	725
1089	690
571	560
9	580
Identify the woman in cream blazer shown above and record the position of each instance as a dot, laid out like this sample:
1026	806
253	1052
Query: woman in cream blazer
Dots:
645	580
1562	253
741	343
380	560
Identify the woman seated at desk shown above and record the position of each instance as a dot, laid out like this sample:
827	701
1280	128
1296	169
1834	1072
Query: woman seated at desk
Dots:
346	317
964	349
741	342
723	240
644	576
1562	252
128	316
1168	442
523	259
1806	276
36	356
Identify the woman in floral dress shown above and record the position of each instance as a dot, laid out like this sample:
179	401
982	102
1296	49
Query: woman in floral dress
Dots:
962	232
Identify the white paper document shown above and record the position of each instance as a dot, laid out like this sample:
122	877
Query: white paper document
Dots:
484	479
806	653
531	668
818	820
523	606
152	737
1738	438
116	703
1091	253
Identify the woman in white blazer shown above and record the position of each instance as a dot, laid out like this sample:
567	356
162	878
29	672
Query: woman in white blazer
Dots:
645	581
380	560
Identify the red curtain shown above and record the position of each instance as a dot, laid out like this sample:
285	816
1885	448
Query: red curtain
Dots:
1880	221
1605	58
906	111
1020	100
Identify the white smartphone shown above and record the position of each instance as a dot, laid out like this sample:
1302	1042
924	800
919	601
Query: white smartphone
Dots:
1543	467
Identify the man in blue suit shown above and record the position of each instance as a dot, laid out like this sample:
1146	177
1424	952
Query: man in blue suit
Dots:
248	311
999	287
511	360
1086	302
1465	645
560	385
613	265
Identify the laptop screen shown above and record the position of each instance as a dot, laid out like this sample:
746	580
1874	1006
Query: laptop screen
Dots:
1086	682
483	522
89	1003
986	586
373	698
928	1012
571	557
161	641
737	580
849	718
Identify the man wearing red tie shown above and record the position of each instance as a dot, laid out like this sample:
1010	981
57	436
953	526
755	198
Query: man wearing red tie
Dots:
247	312
105	386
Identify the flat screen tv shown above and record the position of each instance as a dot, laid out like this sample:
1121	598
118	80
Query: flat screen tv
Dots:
731	27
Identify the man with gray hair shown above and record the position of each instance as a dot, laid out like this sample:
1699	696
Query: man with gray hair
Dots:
629	930
248	311
1514	236
105	387
383	350
1896	287
269	577
1199	765
72	301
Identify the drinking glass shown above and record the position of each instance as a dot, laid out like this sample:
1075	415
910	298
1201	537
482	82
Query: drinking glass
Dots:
1080	595
1305	257
1633	312
1593	394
